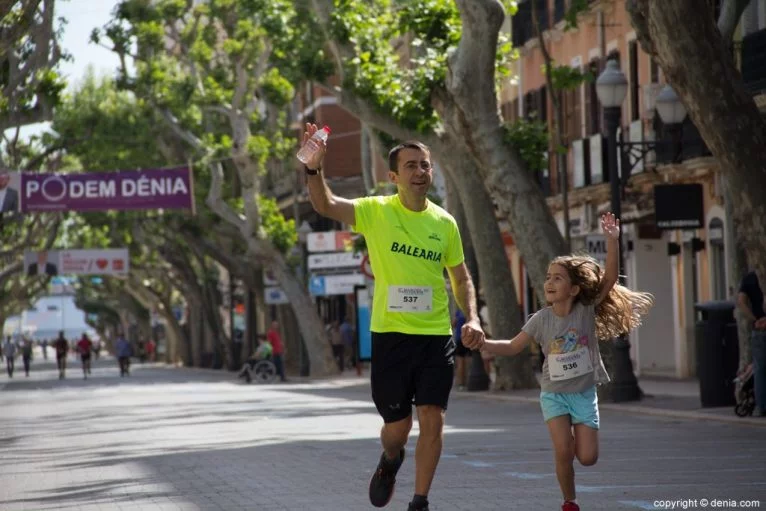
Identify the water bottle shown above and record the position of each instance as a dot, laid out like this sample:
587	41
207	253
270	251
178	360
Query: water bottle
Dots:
311	146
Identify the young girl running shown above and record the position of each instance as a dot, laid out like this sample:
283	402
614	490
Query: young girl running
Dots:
584	305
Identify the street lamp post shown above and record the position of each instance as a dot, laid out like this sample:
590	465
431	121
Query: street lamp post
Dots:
611	88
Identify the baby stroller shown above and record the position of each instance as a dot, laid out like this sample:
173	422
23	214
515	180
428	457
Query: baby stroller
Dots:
259	366
744	392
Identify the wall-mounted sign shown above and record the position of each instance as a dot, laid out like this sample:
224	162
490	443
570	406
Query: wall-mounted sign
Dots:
335	260
595	244
274	296
679	206
363	317
329	241
269	277
328	285
77	262
103	191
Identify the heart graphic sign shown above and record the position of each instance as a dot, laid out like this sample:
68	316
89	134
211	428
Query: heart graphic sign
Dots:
108	261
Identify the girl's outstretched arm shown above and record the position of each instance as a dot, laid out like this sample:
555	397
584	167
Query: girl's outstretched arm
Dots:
507	348
611	227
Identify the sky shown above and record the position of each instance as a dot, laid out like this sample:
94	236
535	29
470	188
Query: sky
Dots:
82	17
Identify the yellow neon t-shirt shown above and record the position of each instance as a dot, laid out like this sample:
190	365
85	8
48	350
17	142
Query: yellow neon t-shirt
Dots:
408	253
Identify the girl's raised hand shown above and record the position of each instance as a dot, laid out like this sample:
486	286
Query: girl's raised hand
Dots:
610	225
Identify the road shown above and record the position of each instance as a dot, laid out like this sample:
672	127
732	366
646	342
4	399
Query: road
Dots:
187	439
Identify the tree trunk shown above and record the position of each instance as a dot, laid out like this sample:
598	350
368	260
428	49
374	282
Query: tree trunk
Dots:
262	251
196	333
737	267
177	344
310	325
212	309
251	323
486	241
469	110
367	155
685	42
558	127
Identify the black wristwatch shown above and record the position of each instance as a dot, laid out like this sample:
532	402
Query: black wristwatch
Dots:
312	172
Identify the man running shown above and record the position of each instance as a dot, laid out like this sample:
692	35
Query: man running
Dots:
410	242
61	345
85	346
9	350
124	351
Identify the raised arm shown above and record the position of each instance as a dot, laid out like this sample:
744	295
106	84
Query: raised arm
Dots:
322	198
611	227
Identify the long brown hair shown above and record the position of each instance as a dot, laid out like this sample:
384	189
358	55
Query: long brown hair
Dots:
620	311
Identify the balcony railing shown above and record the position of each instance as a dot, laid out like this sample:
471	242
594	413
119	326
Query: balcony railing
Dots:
589	158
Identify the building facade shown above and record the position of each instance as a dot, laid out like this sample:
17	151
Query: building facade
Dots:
680	267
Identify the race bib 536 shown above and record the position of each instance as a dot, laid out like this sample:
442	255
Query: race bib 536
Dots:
563	366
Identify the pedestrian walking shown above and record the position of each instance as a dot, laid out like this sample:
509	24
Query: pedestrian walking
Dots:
9	350
750	302
410	241
123	350
26	355
338	348
141	351
45	349
85	347
151	348
584	305
347	336
278	349
61	345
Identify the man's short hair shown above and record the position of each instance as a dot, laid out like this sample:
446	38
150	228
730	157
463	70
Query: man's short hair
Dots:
393	155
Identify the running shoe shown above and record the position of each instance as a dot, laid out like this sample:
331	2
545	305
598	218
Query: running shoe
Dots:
411	507
384	479
570	506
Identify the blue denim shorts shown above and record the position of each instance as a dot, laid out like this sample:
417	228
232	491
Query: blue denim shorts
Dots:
582	407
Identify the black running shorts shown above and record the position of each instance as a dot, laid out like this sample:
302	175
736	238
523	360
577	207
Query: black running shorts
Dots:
409	369
85	357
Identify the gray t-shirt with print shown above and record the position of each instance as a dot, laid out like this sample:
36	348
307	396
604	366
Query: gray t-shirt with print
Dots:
572	359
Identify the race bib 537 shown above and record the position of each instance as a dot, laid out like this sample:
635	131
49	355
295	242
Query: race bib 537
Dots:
410	299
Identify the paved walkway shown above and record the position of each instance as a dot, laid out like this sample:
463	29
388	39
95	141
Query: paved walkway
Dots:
200	440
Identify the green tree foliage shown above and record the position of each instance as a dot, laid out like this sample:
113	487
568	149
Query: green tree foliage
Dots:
202	64
279	230
107	129
532	139
29	55
220	75
401	49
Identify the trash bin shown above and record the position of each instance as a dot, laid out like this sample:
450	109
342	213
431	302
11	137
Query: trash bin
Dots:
717	350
